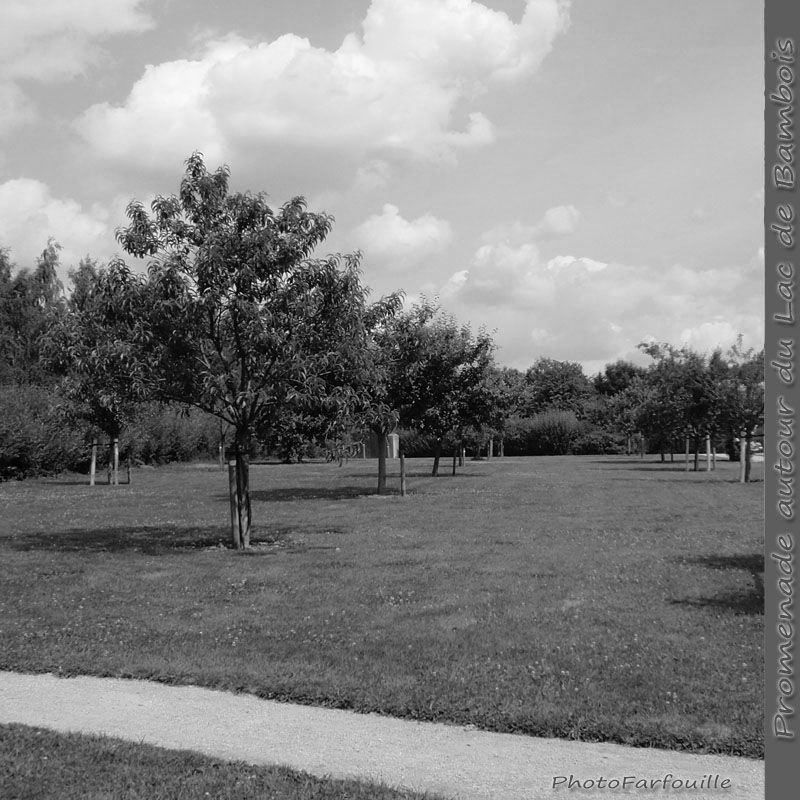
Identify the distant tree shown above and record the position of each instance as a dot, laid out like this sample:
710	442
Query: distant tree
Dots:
556	386
30	301
240	320
436	373
617	377
742	392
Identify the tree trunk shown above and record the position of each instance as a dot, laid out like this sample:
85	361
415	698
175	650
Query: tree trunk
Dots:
502	447
233	494
222	454
687	453
628	445
696	444
708	452
115	460
744	457
382	445
437	454
490	449
748	461
713	458
641	445
455	459
663	457
461	453
402	472
128	469
243	491
93	463
672	452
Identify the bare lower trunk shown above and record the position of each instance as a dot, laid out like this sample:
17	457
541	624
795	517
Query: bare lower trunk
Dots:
382	444
747	460
663	457
461	454
641	446
490	449
115	461
708	453
713	458
93	463
502	448
402	473
234	500
696	453
455	459
687	453
221	454
437	454
243	493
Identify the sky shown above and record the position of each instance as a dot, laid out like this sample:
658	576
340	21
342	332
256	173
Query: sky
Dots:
576	177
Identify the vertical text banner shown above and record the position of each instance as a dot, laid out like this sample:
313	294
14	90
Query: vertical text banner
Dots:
782	271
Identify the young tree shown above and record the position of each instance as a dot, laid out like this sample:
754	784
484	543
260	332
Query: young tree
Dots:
436	373
240	320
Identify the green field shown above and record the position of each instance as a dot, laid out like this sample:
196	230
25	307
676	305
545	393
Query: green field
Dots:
594	598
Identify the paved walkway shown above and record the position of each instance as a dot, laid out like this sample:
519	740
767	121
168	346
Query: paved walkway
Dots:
453	761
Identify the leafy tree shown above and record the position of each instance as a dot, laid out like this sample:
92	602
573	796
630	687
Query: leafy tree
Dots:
556	386
239	319
30	302
742	391
617	377
435	373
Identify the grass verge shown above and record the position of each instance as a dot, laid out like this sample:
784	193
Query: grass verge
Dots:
603	599
41	764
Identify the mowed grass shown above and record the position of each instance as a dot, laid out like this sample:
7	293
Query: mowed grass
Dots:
594	598
43	765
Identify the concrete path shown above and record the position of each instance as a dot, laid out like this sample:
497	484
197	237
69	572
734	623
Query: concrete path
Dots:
453	761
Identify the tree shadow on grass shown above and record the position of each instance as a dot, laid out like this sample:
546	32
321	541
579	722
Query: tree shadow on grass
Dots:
306	493
147	540
749	600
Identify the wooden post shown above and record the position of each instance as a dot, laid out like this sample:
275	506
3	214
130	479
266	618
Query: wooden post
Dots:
708	452
687	453
236	537
402	473
115	460
93	463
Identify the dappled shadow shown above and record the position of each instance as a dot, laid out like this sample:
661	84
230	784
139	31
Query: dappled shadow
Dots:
748	600
148	540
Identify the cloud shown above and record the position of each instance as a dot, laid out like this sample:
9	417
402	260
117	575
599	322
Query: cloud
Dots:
30	214
397	87
583	309
52	41
394	242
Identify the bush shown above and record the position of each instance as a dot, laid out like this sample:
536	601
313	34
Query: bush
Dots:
597	442
547	434
35	438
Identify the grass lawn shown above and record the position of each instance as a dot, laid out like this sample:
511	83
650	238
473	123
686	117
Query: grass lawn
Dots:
44	765
595	598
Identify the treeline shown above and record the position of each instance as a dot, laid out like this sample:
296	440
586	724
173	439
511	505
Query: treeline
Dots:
237	335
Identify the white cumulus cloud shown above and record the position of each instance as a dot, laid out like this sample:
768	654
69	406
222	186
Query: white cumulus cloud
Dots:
399	86
395	242
30	214
52	41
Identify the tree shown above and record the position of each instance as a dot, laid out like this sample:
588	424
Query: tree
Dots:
93	347
617	377
436	373
742	393
556	386
239	320
30	302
